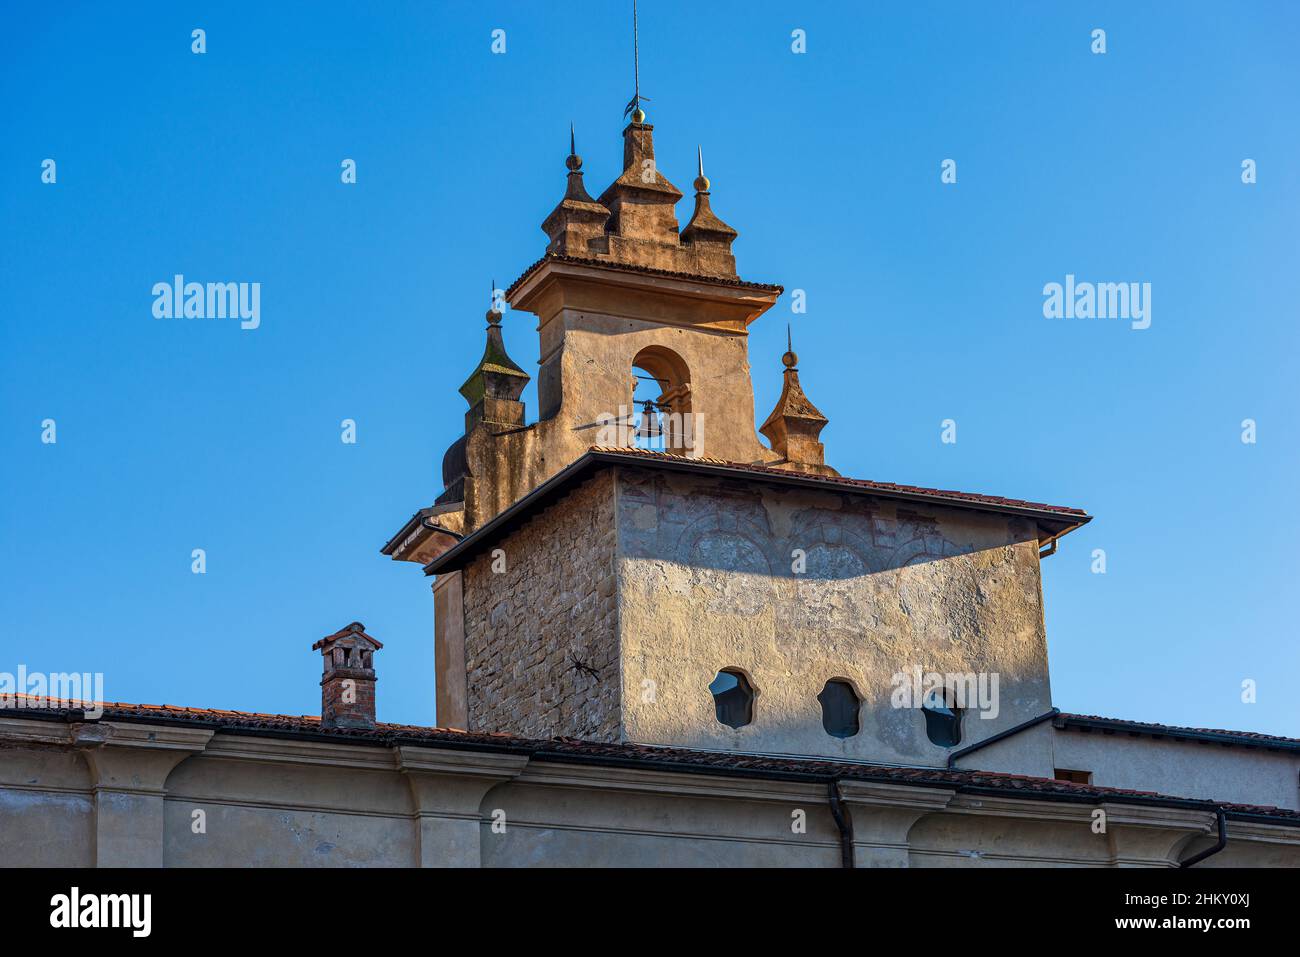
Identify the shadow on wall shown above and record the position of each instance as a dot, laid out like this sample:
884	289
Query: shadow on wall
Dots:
735	527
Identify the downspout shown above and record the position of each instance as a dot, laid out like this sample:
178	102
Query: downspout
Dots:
843	821
1219	845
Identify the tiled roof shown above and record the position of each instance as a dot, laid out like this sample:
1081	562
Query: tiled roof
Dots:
882	487
651	756
1092	722
648	270
1054	520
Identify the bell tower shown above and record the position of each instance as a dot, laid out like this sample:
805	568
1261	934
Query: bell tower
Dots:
642	293
623	297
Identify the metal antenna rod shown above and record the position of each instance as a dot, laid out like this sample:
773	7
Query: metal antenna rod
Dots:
635	103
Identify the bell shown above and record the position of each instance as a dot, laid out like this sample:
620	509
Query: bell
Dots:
648	427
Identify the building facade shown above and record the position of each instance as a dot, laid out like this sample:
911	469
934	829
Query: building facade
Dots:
662	640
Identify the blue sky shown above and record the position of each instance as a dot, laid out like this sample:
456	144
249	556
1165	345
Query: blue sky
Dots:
924	303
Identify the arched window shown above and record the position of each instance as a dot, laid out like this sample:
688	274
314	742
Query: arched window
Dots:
733	698
839	708
661	401
942	717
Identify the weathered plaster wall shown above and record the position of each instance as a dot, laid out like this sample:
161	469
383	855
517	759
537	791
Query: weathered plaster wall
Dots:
47	812
565	817
706	583
1185	768
290	815
294	802
592	324
593	361
530	630
450	694
1029	752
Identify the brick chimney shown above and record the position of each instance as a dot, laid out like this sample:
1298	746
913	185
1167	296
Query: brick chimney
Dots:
347	690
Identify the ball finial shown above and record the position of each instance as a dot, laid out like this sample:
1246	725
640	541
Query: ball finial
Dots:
638	115
789	360
574	162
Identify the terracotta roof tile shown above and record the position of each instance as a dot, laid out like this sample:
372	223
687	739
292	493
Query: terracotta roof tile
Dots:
642	755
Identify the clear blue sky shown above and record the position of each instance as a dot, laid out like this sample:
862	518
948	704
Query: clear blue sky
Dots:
924	303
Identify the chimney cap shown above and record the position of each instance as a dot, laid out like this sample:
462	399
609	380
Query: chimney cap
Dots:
353	630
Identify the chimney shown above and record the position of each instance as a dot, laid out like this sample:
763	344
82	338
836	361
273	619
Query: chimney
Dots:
347	689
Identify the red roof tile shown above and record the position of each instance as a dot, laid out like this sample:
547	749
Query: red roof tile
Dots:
642	755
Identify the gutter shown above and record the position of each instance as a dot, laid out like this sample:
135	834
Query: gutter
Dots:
1219	845
1001	735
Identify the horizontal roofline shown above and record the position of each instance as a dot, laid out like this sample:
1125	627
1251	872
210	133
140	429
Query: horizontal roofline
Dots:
636	756
411	523
645	270
1062	519
1248	739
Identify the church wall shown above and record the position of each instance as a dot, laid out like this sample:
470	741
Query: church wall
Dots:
534	629
311	803
570	817
1028	752
47	812
257	814
1191	769
706	583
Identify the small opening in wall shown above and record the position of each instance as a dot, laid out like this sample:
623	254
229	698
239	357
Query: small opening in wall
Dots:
1074	777
839	708
942	718
733	698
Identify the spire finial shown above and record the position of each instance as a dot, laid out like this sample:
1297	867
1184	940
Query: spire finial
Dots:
789	360
494	310
574	162
634	105
701	181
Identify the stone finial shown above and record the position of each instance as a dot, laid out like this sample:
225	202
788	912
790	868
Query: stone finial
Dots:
494	387
348	685
795	424
576	227
711	237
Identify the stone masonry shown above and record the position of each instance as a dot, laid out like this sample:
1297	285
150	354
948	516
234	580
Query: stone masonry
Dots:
541	650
